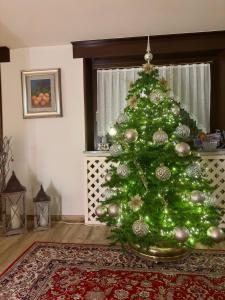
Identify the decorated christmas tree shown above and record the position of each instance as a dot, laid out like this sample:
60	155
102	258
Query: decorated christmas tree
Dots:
156	193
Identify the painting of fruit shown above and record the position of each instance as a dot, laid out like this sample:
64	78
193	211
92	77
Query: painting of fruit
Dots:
41	93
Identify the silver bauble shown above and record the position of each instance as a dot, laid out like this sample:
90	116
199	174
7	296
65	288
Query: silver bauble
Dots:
176	110
100	211
197	197
181	234
108	193
182	131
160	137
108	177
216	234
194	170
140	228
123	170
115	150
122	118
156	96
163	173
182	149
210	200
113	210
131	135
148	56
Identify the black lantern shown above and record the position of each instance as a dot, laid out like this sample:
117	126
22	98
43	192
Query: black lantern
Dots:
42	217
13	207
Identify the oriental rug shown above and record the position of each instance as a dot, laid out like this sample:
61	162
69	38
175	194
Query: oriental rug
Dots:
93	272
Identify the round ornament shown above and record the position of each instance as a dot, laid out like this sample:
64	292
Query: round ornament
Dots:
175	110
182	131
197	197
163	173
131	135
113	210
108	177
135	203
194	170
210	200
148	56
108	193
140	228
156	96
115	150
182	149
100	211
181	234
216	234
112	131
123	170
122	118
160	137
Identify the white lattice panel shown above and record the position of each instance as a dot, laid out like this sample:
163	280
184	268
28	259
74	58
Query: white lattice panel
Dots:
96	168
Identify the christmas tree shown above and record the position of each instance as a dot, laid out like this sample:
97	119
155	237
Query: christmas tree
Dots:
156	194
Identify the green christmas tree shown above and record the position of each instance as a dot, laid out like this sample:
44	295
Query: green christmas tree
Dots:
156	194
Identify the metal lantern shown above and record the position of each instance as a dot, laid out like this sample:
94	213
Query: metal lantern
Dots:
42	217
13	207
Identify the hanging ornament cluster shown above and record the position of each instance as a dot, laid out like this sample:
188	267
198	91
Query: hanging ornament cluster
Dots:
131	135
175	110
194	170
123	170
182	149
123	118
182	131
140	228
216	234
135	203
132	102
148	68
108	177
163	173
113	210
197	197
181	234
156	96
100	210
116	150
160	137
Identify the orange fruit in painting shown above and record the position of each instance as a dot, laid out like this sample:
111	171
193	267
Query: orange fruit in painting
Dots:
41	95
39	99
43	103
36	102
33	98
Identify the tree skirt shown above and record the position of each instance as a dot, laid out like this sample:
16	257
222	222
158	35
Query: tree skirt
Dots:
92	272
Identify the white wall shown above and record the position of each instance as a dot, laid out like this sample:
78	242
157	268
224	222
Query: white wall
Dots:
47	150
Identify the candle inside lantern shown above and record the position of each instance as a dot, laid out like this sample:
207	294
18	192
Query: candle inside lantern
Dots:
43	221
15	217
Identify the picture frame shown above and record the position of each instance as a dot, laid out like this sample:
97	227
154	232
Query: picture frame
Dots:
41	93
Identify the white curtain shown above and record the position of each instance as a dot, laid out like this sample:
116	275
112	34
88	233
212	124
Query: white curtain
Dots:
190	85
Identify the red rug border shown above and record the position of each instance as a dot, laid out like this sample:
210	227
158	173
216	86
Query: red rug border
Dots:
78	244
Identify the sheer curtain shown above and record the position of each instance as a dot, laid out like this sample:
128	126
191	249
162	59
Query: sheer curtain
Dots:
190	85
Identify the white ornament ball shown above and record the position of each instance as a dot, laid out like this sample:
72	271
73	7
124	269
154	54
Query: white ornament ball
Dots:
113	210
140	228
122	118
181	234
163	173
108	193
148	57
100	211
194	170
156	96
182	149
108	177
123	170
160	137
182	131
216	234
176	110
115	150
112	131
197	197
131	135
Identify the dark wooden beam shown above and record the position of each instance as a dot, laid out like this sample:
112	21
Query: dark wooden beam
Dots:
4	54
160	44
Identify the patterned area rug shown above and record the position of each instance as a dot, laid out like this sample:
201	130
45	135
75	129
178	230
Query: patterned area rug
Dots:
91	272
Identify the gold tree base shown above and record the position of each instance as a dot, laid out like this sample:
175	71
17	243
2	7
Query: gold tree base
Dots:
160	254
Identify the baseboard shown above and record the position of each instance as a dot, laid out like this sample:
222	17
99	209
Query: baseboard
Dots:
64	218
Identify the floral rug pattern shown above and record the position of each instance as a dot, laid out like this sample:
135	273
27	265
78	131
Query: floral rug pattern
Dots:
92	272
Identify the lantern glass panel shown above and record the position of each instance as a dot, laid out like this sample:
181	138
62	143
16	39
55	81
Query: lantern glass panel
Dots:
14	211
43	214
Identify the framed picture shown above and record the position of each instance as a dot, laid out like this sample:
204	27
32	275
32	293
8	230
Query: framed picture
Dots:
41	91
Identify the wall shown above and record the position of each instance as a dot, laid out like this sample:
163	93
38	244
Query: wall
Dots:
47	150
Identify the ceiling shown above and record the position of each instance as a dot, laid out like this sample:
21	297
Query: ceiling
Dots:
26	23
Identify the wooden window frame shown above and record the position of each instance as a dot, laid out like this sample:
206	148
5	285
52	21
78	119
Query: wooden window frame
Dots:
167	49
